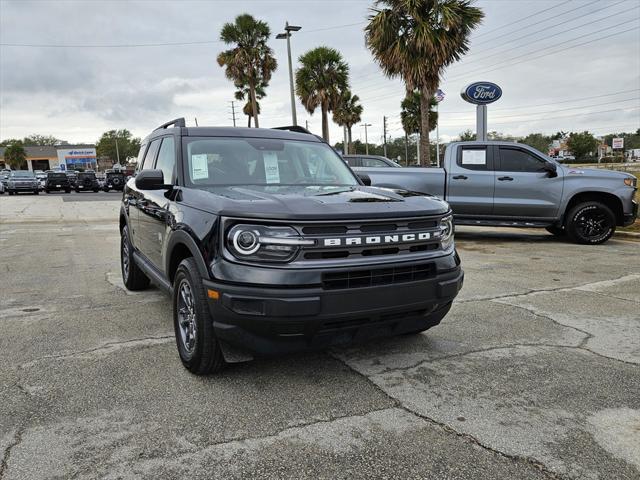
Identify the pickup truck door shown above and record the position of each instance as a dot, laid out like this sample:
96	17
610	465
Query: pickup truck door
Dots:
154	214
470	181
523	188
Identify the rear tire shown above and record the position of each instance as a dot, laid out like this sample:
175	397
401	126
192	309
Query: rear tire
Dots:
106	190
197	344
133	278
590	223
67	191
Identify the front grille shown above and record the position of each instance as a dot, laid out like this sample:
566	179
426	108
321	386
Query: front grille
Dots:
377	276
343	231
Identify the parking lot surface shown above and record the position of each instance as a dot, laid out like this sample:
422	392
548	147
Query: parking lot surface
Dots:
534	373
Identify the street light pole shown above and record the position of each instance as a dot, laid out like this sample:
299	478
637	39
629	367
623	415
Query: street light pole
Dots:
287	34
366	140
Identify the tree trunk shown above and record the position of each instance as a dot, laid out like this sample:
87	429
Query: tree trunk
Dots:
349	141
325	122
425	96
249	121
254	104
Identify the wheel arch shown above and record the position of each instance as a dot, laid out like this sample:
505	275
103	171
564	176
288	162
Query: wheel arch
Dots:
608	199
180	246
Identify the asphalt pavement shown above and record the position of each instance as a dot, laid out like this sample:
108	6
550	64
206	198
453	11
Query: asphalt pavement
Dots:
533	374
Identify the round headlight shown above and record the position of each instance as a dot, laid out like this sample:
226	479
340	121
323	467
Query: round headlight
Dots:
245	242
446	227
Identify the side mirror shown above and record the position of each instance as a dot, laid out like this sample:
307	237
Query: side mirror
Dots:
151	180
551	169
364	178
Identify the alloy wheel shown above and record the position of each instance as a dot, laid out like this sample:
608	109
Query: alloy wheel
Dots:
186	316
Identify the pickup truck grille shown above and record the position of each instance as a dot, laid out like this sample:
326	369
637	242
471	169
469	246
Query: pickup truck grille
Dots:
353	240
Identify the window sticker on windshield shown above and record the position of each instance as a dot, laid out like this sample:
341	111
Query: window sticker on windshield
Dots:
271	169
199	166
474	157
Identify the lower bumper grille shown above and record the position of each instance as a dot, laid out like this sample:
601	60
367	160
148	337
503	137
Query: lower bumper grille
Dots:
378	276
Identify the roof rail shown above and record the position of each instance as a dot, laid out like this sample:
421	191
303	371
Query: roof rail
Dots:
294	128
178	122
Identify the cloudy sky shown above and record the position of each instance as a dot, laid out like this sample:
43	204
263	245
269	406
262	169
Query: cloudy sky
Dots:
75	68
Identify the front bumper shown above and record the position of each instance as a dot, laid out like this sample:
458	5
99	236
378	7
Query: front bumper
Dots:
23	188
273	320
630	218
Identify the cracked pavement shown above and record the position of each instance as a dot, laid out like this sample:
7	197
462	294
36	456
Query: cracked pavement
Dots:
533	374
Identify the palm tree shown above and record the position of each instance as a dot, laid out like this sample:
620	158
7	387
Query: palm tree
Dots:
410	114
243	93
320	81
347	113
251	61
415	40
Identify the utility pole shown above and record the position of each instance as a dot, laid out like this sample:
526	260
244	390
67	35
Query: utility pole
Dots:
344	136
287	34
117	151
233	112
366	140
406	149
384	134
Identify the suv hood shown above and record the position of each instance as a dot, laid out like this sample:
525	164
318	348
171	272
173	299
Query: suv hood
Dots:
312	202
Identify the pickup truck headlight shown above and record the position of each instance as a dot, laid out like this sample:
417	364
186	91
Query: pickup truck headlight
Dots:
446	227
630	181
263	243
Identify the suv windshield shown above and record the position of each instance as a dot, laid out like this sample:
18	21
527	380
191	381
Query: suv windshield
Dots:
87	175
262	161
24	174
56	175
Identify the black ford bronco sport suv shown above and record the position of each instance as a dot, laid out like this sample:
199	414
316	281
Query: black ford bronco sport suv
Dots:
268	243
57	181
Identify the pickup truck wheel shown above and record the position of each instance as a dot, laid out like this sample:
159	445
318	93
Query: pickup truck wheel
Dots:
590	223
198	347
556	230
133	278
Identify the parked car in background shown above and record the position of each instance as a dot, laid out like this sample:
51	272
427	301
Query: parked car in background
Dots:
87	181
4	177
42	177
1	188
114	180
56	182
73	176
21	181
370	161
505	184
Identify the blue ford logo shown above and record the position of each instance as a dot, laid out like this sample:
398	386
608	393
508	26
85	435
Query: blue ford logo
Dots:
481	93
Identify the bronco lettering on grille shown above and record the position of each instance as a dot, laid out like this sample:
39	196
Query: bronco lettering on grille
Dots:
378	239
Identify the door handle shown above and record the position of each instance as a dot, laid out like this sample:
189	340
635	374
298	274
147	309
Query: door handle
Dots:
460	177
508	179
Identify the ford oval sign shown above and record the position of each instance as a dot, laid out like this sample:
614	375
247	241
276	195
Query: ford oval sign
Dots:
481	93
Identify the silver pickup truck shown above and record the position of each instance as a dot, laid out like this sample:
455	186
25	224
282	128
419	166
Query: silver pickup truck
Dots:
507	184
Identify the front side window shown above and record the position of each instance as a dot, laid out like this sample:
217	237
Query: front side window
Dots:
140	158
167	159
262	161
373	162
516	160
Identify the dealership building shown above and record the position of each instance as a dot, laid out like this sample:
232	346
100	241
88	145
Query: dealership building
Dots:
60	157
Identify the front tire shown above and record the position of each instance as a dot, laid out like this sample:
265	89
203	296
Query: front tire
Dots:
556	230
198	347
134	278
590	223
36	192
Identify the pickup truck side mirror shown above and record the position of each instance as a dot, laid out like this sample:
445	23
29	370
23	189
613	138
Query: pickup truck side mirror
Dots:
364	178
151	180
551	169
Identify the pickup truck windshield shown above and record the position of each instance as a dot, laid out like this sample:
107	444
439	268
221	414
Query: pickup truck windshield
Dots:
262	161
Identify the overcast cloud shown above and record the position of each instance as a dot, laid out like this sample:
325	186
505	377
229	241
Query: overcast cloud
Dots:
76	93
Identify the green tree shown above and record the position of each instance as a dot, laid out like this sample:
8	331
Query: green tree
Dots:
251	61
347	113
581	144
127	145
416	40
15	155
41	140
320	81
467	136
538	141
411	116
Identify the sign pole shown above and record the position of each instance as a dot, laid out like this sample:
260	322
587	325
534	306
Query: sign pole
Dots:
481	123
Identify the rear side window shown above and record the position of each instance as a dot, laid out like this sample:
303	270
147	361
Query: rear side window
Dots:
516	160
373	162
151	155
167	159
474	158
